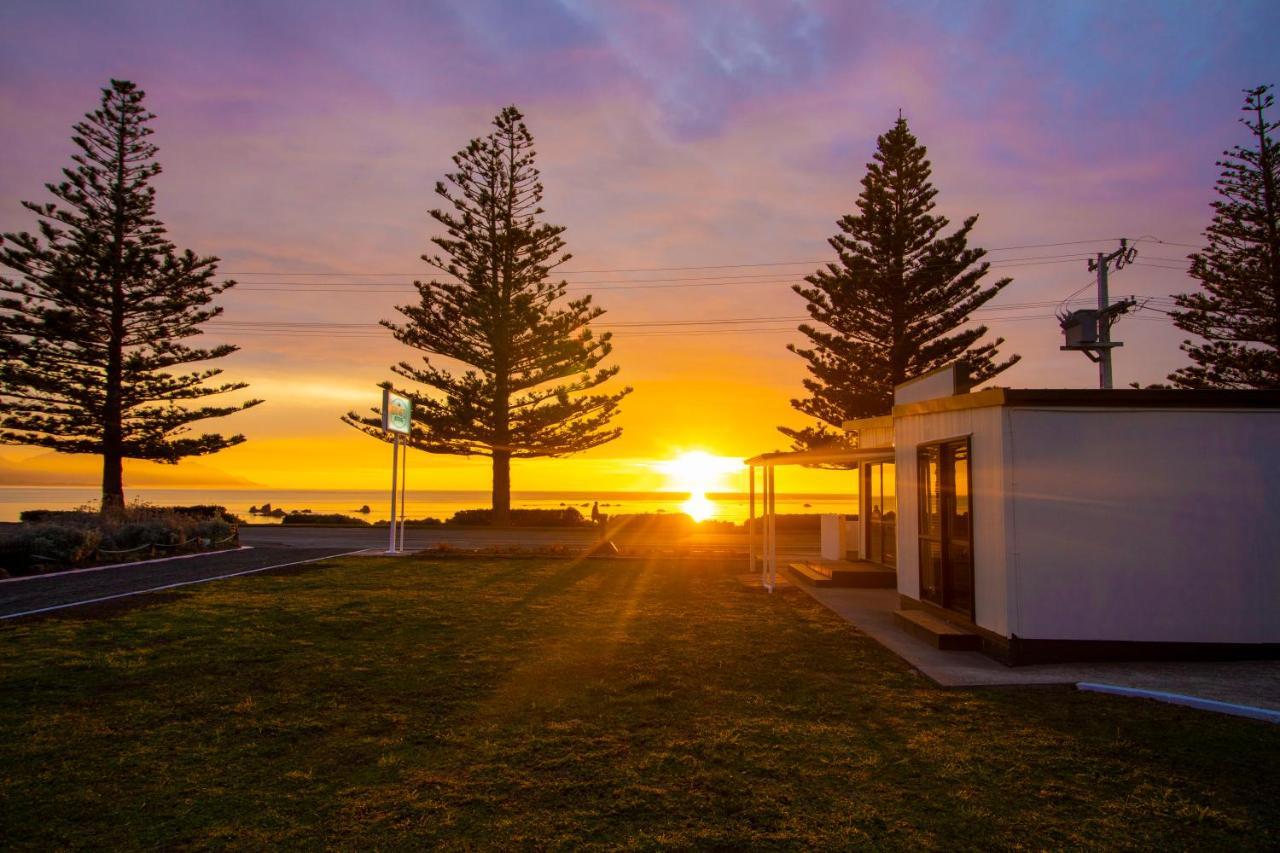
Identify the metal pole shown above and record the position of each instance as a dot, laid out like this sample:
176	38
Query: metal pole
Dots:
404	483
1104	325
771	566
750	518
395	469
764	528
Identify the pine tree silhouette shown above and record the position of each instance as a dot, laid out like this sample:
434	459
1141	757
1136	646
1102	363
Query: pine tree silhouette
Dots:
1238	312
103	301
889	307
529	359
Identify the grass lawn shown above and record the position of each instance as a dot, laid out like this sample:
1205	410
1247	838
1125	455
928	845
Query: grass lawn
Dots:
374	703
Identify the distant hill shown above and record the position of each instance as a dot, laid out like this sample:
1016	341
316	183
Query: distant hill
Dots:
60	469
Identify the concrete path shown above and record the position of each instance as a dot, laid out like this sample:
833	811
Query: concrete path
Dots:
31	596
1253	683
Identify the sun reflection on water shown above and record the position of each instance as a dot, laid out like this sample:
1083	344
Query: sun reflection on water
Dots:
698	507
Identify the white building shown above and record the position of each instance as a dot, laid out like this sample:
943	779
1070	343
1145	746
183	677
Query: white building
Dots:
1077	524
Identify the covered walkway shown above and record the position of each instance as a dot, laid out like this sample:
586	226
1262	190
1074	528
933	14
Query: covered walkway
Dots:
762	544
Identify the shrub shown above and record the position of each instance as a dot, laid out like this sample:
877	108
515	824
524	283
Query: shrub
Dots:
204	511
40	547
323	518
215	531
414	522
74	517
141	534
567	517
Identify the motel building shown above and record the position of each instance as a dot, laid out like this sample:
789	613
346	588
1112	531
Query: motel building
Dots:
1058	525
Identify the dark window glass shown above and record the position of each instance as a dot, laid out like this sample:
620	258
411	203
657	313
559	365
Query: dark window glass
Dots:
946	526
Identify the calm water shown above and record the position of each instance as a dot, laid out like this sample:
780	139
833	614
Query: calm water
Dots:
422	504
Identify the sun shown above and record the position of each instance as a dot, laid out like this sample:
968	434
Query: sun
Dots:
698	472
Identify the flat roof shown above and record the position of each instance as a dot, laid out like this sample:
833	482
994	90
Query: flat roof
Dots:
879	422
1096	398
822	457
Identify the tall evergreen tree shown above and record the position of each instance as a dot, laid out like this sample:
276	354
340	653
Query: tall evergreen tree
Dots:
528	359
96	319
893	301
1238	311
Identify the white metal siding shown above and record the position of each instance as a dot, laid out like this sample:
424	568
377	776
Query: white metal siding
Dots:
875	437
1142	525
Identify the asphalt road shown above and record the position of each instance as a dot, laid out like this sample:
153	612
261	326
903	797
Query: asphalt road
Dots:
272	547
533	537
350	538
99	587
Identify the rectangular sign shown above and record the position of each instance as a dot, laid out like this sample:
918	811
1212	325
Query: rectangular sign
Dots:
396	412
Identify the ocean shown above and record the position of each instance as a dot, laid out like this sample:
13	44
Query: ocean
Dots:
421	504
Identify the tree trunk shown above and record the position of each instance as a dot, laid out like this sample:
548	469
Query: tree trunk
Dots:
112	482
501	487
113	415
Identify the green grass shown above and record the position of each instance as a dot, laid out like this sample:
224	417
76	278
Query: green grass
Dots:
373	703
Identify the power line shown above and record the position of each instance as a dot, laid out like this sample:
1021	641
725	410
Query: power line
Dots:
675	269
290	325
380	287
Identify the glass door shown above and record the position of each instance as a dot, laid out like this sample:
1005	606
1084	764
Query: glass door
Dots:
946	529
880	484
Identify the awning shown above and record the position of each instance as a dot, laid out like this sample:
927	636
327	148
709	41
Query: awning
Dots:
833	456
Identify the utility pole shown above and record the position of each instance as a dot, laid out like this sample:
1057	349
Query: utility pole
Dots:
1088	330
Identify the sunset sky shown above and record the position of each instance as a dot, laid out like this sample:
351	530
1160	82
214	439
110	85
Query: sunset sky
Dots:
704	148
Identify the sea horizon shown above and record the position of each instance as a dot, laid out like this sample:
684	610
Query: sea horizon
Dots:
421	503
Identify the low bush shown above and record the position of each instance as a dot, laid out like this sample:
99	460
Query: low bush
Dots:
141	534
215	531
40	547
75	517
204	511
322	518
567	517
48	540
414	522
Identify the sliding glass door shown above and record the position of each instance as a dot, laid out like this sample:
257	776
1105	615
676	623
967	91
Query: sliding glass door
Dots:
946	527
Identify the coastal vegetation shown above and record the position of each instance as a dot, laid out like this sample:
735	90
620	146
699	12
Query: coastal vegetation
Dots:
49	540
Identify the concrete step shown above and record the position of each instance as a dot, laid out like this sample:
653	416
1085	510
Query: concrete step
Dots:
868	577
938	633
808	574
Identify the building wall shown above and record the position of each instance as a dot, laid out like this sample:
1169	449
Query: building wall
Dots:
1142	525
986	428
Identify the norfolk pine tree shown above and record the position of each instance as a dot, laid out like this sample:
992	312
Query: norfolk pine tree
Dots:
529	360
102	302
888	309
1238	311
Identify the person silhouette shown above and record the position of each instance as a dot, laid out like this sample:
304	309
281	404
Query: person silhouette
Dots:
595	512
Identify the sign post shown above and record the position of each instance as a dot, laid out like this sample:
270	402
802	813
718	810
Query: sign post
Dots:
396	419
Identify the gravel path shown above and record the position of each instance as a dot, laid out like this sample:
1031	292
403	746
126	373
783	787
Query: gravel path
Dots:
21	596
